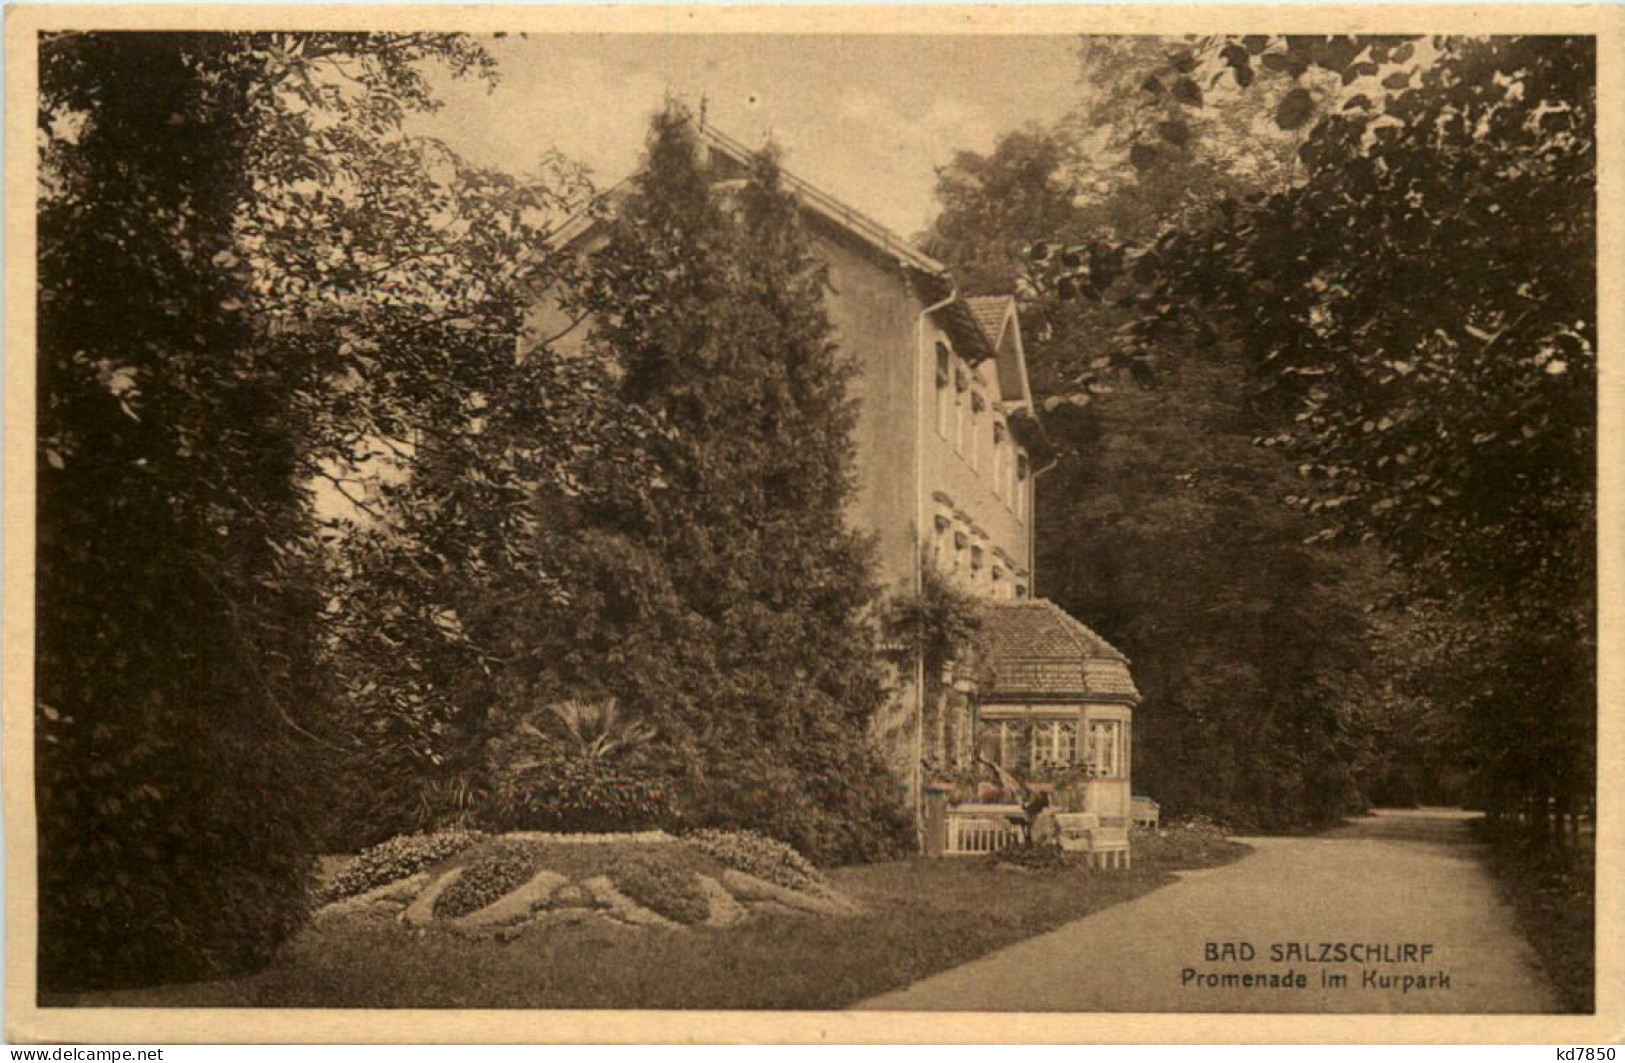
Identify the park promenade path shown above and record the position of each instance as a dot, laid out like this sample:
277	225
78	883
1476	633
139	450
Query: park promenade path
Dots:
1395	879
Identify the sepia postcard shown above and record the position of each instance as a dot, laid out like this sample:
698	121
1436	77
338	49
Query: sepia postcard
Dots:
778	524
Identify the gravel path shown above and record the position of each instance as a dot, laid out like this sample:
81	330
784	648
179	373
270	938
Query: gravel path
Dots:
1407	889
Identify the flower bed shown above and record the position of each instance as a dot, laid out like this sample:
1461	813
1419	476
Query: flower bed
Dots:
487	878
573	799
755	854
667	889
396	859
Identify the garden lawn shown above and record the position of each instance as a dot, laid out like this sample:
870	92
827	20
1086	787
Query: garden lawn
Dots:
922	916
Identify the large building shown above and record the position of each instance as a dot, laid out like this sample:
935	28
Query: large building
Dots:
948	449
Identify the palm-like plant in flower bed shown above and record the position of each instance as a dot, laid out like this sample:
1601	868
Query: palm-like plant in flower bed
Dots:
569	766
599	730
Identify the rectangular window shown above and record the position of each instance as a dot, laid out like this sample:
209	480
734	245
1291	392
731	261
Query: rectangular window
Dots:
1104	753
1066	743
1054	744
1000	742
945	392
959	423
977	405
1000	489
1022	490
1023	745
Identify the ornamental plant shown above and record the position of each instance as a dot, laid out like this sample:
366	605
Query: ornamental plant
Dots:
572	765
575	798
488	877
395	859
759	855
665	888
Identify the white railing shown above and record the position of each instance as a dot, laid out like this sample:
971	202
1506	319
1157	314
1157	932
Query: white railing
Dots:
976	829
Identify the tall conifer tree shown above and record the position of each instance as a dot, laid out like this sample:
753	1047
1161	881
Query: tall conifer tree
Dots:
747	633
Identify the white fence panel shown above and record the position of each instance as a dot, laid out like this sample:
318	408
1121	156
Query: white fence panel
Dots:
973	833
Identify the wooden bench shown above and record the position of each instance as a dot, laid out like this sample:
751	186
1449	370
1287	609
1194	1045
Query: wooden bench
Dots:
1108	847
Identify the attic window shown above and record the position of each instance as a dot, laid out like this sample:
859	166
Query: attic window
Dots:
945	359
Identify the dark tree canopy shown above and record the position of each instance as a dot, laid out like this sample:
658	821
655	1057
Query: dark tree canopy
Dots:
235	244
1420	306
1411	300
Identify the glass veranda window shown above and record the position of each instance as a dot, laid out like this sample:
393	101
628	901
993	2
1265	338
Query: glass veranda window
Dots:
1104	753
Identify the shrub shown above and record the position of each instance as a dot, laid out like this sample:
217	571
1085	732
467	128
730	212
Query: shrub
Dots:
754	854
1192	842
488	878
1552	888
395	859
832	808
668	889
1034	857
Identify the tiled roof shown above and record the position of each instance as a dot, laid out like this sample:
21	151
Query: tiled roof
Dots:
1034	648
989	311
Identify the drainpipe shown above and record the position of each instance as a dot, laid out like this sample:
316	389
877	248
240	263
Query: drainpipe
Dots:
916	781
1032	527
